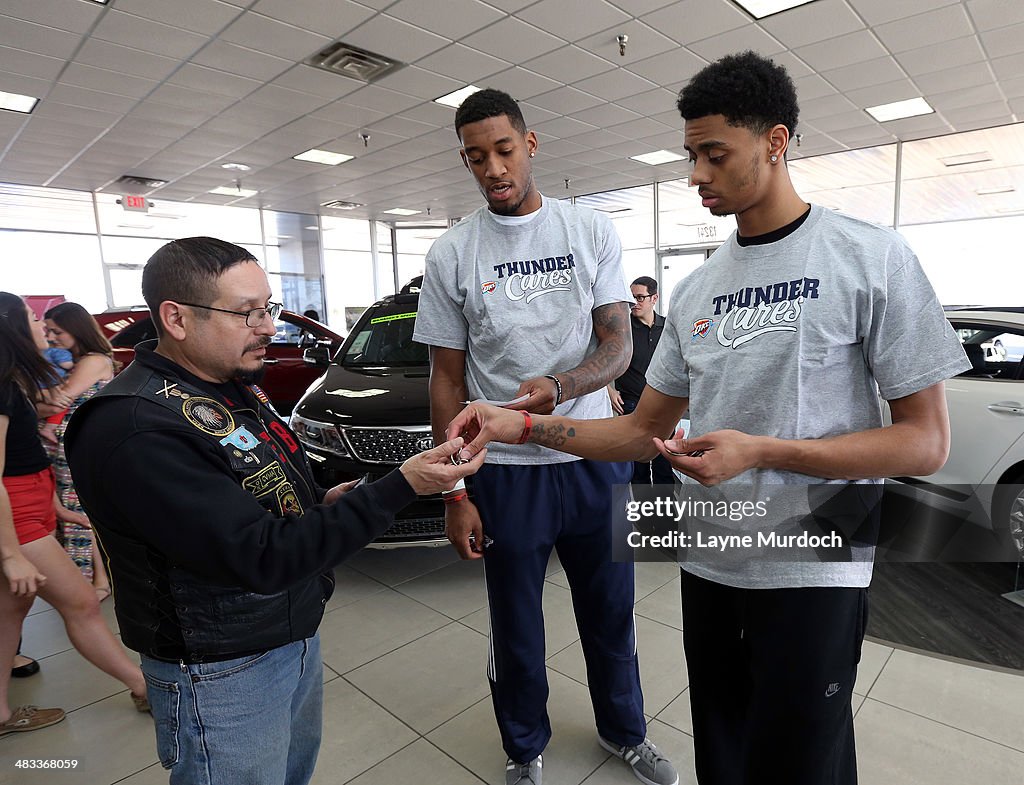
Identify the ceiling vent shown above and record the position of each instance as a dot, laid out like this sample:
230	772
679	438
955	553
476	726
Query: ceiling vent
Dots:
337	204
133	184
353	62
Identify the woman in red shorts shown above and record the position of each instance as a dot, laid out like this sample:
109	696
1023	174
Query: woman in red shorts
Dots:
32	560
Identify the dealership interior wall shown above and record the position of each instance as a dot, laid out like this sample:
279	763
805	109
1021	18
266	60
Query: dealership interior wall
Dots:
185	92
962	219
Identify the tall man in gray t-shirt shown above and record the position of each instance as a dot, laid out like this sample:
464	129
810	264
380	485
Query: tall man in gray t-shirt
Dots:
784	341
525	301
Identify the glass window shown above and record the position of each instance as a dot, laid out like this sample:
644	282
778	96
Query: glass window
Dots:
54	264
413	243
631	211
684	222
348	270
386	283
861	183
976	174
292	247
172	220
386	338
994	351
971	262
46	209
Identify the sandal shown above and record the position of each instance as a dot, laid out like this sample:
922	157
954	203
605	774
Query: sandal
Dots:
26	718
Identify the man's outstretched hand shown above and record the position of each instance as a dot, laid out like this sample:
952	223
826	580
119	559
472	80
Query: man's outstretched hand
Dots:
480	423
432	471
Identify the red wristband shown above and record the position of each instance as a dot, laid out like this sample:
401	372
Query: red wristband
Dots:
455	497
527	426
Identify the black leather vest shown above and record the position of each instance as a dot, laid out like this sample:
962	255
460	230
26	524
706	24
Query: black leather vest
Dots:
216	620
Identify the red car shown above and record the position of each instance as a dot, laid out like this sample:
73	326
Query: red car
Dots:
287	373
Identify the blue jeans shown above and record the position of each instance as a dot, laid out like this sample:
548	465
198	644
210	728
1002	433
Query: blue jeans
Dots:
254	720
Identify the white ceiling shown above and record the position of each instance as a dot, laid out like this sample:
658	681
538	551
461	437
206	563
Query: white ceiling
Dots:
172	90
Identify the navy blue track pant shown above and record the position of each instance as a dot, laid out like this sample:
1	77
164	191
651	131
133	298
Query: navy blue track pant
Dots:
527	511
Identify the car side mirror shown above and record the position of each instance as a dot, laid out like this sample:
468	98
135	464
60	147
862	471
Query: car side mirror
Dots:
319	354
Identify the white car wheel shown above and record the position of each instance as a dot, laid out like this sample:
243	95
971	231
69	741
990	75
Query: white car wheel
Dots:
1009	508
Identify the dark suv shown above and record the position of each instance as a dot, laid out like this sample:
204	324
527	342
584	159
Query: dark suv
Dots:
371	411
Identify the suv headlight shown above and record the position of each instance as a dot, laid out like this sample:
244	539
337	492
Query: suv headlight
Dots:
319	435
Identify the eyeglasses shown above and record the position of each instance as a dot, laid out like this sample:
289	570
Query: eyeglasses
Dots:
253	318
641	297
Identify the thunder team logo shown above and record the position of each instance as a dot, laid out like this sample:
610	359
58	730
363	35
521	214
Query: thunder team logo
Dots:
701	328
488	287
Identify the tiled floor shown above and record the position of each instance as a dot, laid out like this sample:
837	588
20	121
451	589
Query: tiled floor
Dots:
404	644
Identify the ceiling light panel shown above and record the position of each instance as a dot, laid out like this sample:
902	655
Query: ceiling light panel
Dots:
323	157
898	110
15	102
225	190
455	99
657	157
759	9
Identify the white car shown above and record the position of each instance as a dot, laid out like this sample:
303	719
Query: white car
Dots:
986	417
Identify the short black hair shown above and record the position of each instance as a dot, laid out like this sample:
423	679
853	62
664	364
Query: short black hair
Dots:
646	280
187	270
489	103
749	90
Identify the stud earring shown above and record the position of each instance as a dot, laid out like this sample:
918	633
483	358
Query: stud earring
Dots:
531	155
773	158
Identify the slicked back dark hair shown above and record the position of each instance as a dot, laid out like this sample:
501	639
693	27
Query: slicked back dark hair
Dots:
489	103
187	270
749	90
646	280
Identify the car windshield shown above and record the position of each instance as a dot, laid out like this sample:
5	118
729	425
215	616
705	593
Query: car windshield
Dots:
385	338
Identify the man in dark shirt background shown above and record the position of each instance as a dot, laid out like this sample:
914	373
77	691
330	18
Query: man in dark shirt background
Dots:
625	391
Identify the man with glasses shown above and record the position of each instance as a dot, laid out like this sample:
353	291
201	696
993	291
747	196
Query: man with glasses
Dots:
625	392
220	543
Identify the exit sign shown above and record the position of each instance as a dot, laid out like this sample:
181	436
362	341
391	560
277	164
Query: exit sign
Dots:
134	203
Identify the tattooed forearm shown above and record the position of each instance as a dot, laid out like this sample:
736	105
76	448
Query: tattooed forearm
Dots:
551	435
609	360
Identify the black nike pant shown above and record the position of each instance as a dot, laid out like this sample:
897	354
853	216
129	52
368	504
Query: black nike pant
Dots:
771	678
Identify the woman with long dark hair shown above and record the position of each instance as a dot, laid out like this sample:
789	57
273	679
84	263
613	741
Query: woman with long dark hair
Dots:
32	560
69	326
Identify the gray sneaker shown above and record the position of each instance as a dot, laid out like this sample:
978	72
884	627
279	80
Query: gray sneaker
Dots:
523	773
648	764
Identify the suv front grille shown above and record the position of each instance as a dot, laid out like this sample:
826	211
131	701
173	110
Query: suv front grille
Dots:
387	445
415	529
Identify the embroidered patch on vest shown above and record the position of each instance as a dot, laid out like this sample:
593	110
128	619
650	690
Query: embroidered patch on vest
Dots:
264	480
287	501
208	416
242	438
260	395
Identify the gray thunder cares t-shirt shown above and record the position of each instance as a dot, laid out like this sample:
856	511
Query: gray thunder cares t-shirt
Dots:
797	339
518	299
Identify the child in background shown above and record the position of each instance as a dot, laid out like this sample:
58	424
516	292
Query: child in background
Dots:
62	361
